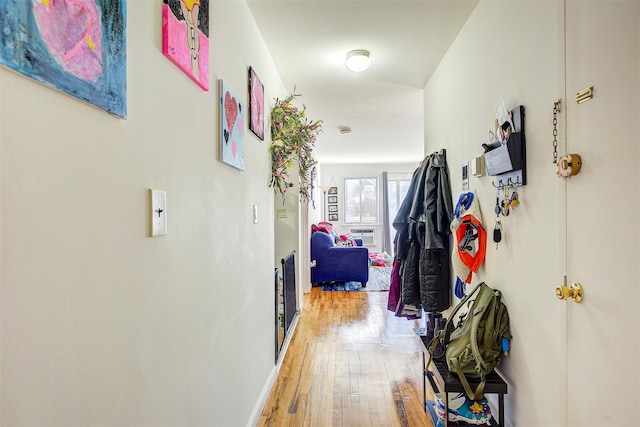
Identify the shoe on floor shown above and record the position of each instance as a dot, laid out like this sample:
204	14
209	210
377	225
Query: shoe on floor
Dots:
461	408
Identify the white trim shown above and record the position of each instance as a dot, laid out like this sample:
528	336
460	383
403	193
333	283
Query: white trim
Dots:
262	400
287	340
273	375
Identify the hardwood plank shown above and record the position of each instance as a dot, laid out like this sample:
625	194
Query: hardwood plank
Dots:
350	363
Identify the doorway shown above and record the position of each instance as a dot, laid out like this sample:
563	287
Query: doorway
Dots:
601	220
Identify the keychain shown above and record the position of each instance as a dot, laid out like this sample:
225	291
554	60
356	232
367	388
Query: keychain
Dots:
514	199
497	232
506	202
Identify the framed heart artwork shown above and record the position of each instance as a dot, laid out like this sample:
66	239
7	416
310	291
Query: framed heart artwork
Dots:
77	47
231	127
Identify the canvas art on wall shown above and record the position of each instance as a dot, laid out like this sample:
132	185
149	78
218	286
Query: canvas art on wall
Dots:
231	127
75	46
256	104
185	37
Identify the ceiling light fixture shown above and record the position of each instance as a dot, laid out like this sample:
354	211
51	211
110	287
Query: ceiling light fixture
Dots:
358	60
345	130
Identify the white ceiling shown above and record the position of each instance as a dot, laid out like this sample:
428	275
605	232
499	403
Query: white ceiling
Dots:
308	41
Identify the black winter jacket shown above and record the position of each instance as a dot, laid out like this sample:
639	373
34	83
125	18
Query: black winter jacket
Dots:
422	236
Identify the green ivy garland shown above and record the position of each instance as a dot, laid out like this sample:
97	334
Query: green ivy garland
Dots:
292	139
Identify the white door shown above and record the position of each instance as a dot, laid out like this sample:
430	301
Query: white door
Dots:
602	220
304	284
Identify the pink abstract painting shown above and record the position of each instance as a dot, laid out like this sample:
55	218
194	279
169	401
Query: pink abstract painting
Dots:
185	37
77	47
256	104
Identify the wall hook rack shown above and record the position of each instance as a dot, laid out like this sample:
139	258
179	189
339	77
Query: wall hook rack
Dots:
512	180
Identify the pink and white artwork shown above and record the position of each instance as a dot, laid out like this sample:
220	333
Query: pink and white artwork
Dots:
256	104
185	37
231	128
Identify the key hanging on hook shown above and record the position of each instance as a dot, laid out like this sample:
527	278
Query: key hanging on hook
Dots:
514	199
506	202
497	232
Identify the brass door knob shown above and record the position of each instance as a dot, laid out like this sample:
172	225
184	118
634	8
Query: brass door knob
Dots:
574	292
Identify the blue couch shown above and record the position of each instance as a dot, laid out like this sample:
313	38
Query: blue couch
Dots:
337	263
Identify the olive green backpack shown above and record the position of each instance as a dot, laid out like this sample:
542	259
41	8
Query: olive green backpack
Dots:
475	346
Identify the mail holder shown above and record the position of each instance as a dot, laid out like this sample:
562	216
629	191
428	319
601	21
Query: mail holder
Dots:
508	161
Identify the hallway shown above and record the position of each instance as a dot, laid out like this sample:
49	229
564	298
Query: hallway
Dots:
351	362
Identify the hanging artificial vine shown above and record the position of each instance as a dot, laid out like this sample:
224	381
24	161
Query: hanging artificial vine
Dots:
292	140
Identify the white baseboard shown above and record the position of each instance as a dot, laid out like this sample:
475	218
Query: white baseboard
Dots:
262	399
287	340
271	379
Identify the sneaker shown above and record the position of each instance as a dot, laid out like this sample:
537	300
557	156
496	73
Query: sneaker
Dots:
461	408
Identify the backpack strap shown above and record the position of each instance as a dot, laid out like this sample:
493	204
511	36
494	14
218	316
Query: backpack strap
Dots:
474	337
462	302
467	387
444	334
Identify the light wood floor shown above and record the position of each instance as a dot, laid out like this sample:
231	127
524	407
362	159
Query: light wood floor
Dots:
350	362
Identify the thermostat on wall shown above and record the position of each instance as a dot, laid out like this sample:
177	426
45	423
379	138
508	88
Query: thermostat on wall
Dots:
465	176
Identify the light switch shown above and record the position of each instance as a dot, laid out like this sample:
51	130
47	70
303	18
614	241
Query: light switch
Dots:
157	213
255	214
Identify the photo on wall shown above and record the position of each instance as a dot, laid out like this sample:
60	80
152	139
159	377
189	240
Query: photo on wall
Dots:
256	104
77	47
333	217
231	127
185	37
332	199
333	208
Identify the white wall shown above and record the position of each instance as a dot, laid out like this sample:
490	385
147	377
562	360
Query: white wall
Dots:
287	228
335	174
100	324
289	235
509	50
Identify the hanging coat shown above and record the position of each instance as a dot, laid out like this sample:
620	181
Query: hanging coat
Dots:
407	247
424	217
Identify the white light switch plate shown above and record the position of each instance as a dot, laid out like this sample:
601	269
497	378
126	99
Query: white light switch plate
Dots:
157	213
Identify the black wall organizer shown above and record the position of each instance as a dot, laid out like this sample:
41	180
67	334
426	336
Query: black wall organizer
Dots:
508	162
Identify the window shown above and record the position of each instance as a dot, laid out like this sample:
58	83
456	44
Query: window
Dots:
361	201
398	186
